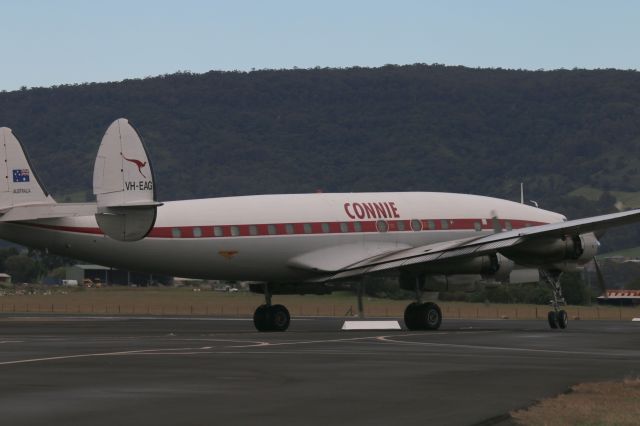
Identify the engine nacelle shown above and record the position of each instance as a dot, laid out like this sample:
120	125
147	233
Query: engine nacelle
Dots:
462	275
590	246
486	265
503	272
553	251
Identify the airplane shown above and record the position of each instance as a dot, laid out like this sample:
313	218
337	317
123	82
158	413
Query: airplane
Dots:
294	243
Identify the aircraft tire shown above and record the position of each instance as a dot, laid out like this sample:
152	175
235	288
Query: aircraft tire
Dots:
261	318
431	316
279	318
552	317
563	319
412	316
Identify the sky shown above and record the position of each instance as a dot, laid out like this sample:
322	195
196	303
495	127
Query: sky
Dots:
47	42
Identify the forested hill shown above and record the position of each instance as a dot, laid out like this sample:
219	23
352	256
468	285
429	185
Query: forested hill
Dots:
417	127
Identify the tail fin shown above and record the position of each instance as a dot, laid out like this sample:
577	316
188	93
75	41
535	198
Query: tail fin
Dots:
123	184
19	184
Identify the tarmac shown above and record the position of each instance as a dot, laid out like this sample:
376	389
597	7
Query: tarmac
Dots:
99	370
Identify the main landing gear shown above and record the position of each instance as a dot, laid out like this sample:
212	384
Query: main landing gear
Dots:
270	317
422	316
558	318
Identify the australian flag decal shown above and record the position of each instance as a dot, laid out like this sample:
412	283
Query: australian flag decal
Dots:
21	175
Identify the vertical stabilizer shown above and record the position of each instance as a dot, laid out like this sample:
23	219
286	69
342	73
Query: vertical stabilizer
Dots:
123	184
19	184
122	174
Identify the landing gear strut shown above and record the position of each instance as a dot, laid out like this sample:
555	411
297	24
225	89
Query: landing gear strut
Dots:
422	316
270	317
558	318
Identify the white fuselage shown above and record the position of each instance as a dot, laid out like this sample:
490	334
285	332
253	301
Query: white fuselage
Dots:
278	237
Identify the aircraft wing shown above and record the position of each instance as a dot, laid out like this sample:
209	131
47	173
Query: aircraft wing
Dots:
469	247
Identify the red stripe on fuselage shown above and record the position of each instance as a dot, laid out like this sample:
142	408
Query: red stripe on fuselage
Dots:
307	228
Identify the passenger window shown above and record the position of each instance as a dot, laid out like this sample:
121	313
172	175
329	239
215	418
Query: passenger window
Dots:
431	224
344	227
357	226
217	231
197	232
325	228
289	228
444	224
253	230
235	231
271	229
400	225
382	226
175	232
307	228
416	225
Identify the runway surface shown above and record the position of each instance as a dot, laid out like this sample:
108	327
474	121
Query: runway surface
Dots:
63	370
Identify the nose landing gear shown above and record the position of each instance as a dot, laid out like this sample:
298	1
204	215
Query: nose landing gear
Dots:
558	318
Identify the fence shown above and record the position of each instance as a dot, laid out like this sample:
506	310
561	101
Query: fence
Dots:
392	309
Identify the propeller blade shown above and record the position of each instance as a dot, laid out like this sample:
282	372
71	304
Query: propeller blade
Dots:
601	283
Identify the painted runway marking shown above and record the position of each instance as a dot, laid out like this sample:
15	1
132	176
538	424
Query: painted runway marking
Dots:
346	340
307	342
191	350
100	354
248	343
117	318
359	339
502	348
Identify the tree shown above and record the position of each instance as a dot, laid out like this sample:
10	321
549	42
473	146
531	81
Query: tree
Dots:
574	289
22	268
6	253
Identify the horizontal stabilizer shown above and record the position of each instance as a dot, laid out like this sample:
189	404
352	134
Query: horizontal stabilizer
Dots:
123	184
48	211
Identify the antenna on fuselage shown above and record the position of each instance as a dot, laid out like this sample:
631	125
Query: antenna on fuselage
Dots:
535	203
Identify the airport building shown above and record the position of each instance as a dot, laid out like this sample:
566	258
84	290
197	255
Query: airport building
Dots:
620	298
97	274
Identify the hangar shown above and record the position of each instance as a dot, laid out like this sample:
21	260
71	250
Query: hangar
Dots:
111	276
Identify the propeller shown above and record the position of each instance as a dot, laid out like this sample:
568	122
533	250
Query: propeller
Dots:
601	283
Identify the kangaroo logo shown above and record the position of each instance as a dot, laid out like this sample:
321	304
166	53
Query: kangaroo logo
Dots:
138	163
